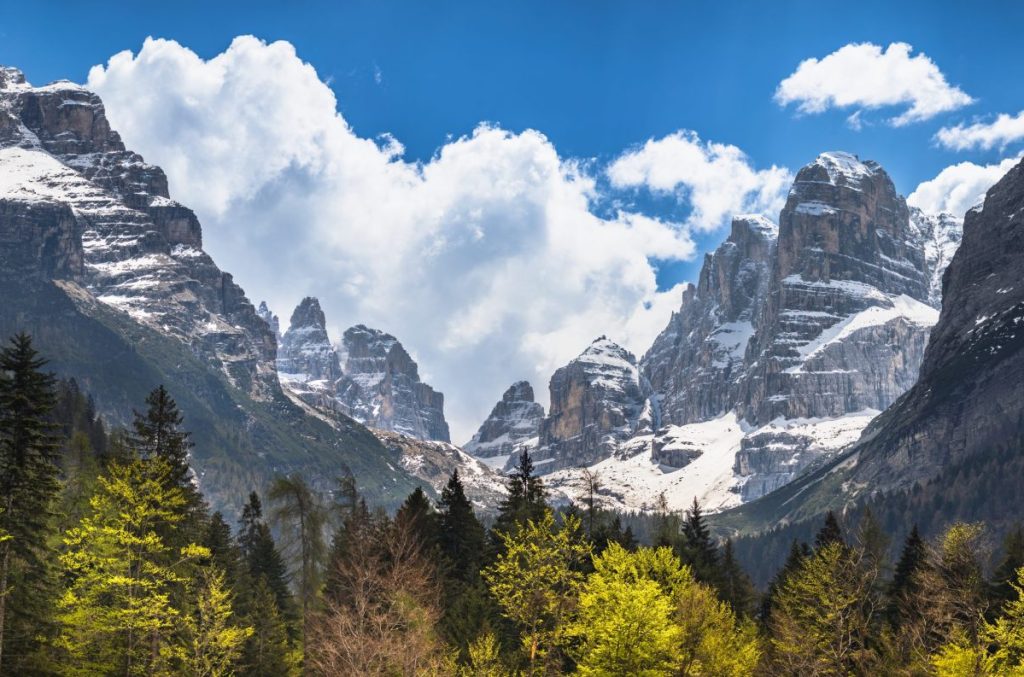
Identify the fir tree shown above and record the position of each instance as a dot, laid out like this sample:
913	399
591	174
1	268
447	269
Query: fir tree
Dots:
830	532
525	500
418	517
224	552
261	556
905	582
734	586
158	433
798	554
1005	575
461	534
28	487
698	549
267	651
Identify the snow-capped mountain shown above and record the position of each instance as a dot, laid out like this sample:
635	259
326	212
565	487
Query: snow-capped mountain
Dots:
598	401
108	274
512	424
368	376
794	338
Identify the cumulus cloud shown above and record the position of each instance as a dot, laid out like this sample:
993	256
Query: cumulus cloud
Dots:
1004	130
866	77
489	261
959	187
716	179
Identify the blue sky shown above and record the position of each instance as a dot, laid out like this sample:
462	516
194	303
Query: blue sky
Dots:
596	78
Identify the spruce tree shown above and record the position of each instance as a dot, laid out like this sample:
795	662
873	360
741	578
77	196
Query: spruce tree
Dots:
261	556
525	500
734	586
418	517
830	533
699	551
28	487
461	534
1005	575
158	433
904	584
798	554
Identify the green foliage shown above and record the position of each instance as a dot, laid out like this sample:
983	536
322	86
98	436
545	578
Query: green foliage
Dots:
525	501
28	489
116	615
536	581
300	511
212	642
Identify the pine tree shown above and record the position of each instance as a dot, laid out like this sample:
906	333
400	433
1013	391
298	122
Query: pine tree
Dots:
735	587
830	532
905	581
28	488
418	517
1005	575
159	433
698	549
526	499
461	534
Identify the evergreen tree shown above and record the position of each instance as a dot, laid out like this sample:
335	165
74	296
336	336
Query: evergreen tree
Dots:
526	499
28	488
734	586
358	532
461	534
262	558
1005	575
158	433
418	517
698	549
905	581
213	641
224	552
267	652
798	553
830	532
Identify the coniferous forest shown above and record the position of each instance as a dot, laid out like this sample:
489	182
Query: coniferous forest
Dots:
111	563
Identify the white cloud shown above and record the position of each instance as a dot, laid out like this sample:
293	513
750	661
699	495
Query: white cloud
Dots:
1004	130
488	261
863	76
959	187
715	178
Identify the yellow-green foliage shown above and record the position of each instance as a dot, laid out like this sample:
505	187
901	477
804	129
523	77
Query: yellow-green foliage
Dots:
1001	648
484	658
536	582
116	616
212	643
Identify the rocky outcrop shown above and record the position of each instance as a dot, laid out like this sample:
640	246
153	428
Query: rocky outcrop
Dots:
598	401
939	235
108	275
271	319
306	351
513	423
697	361
102	216
369	376
382	386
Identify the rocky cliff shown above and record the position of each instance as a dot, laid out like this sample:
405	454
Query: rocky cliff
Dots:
512	424
965	414
598	401
368	376
796	336
108	274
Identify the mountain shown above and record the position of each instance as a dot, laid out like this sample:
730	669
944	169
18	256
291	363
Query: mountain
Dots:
369	376
953	442
108	274
513	423
793	339
598	401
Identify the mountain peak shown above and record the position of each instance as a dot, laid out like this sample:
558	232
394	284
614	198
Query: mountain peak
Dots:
12	78
308	314
843	167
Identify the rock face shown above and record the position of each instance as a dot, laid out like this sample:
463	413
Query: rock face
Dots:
305	347
940	236
101	216
513	423
369	377
109	276
965	414
271	319
697	361
802	333
598	401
